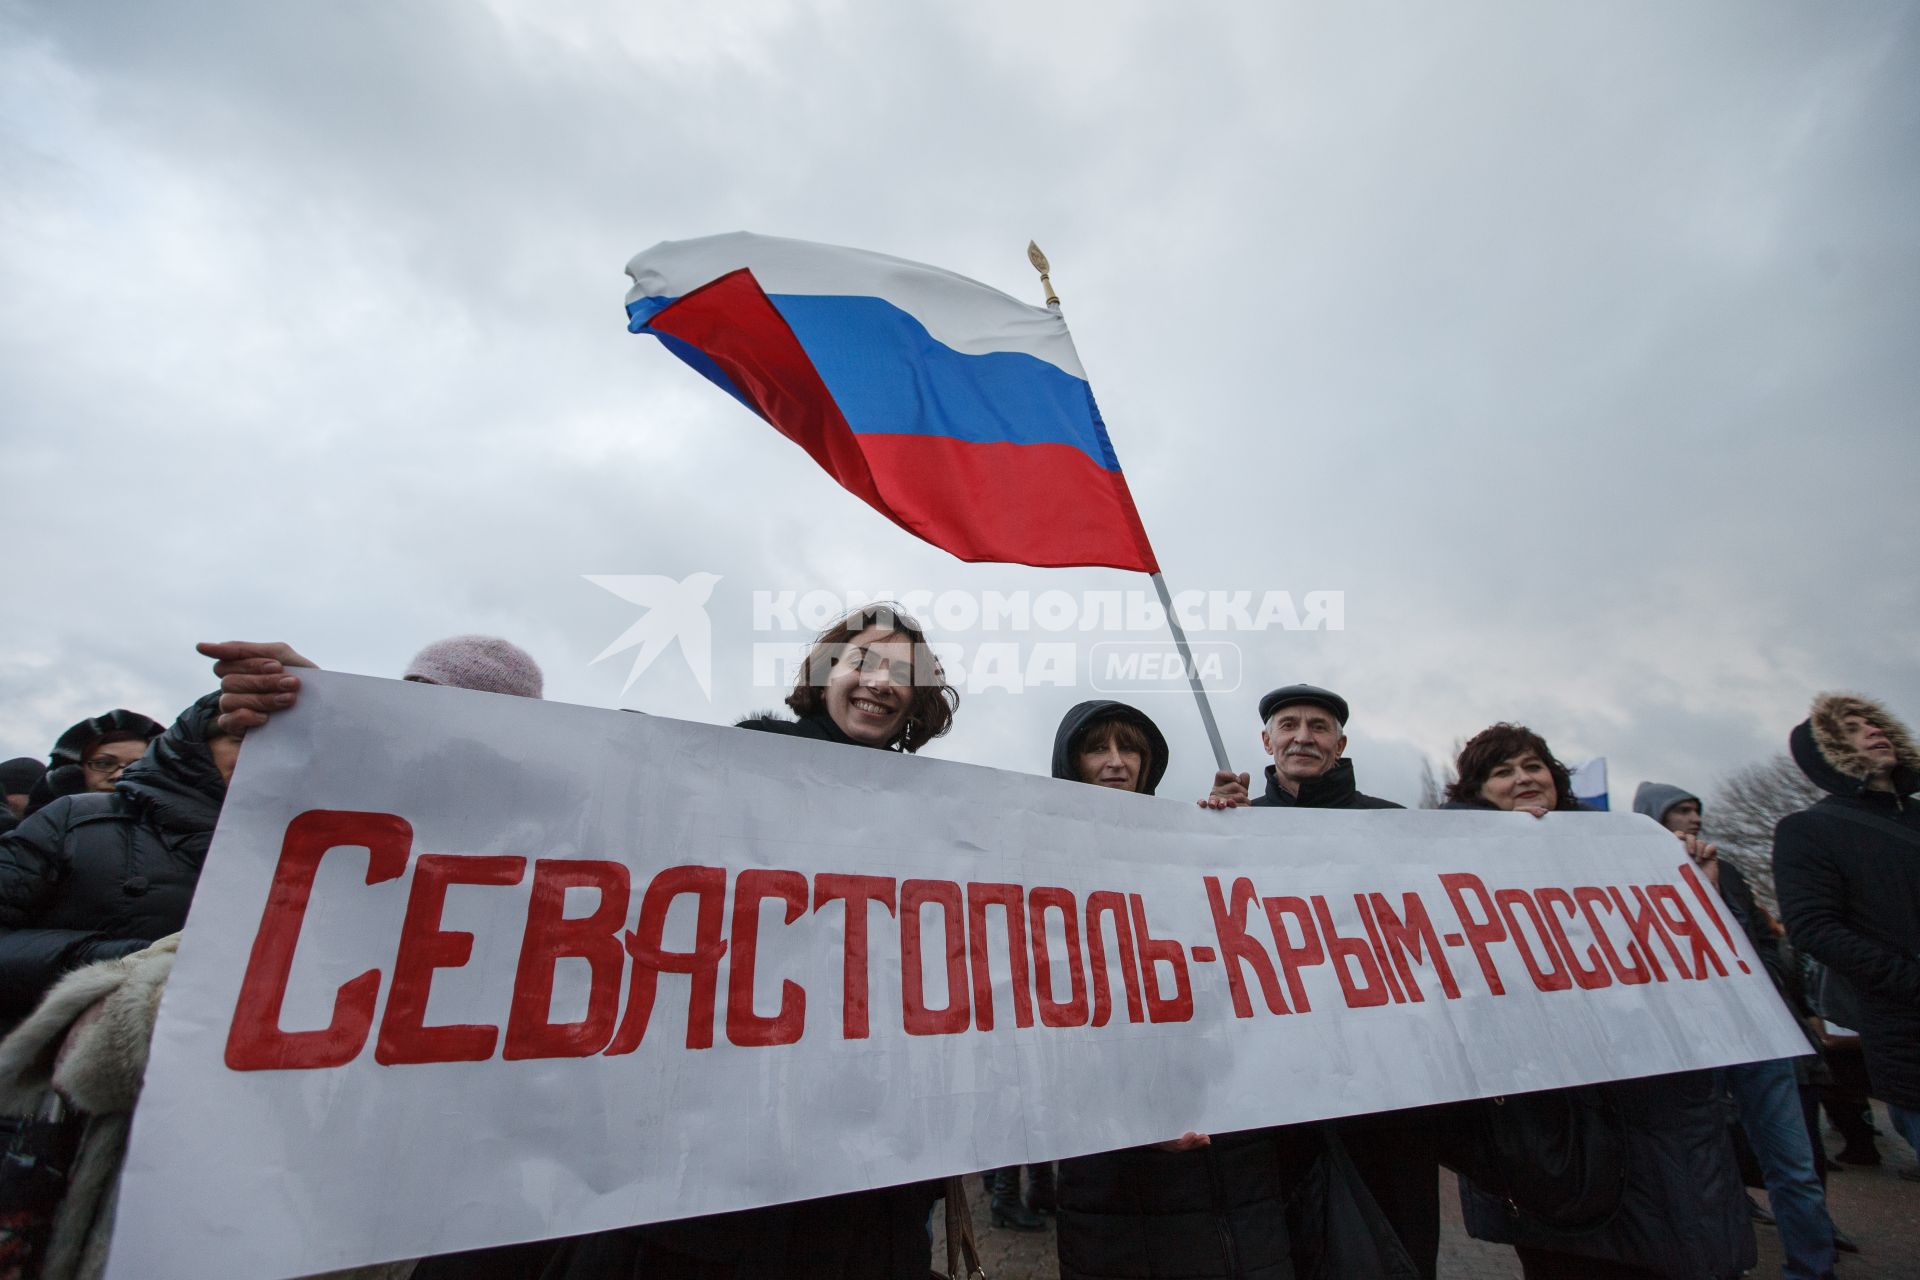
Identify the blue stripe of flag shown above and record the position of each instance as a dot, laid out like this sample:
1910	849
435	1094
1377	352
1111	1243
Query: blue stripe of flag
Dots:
888	375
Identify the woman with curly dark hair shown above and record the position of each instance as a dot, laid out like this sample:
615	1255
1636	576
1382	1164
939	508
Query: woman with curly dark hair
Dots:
1683	1211
1509	766
869	680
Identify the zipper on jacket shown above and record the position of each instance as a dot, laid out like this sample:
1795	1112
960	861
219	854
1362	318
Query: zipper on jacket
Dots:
129	856
1228	1254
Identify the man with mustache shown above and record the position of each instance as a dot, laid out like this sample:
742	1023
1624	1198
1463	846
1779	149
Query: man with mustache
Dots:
1397	1153
1306	733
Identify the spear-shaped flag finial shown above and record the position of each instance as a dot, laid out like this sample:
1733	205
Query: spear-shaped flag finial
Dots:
1039	261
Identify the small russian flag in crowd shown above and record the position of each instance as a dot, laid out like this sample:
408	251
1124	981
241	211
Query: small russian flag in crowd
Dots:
1590	783
958	412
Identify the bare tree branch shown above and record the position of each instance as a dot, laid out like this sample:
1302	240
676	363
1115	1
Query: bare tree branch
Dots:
1743	809
1434	782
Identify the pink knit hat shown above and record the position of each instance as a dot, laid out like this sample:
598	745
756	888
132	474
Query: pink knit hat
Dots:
486	663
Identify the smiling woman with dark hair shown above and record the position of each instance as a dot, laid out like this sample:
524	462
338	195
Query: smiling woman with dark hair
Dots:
1509	766
1683	1211
869	680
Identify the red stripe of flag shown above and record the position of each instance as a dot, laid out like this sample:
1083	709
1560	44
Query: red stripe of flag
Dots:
1048	505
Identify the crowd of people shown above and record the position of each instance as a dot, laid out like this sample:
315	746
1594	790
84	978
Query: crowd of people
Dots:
103	843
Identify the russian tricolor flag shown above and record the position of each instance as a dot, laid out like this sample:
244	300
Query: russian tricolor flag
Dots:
959	413
1590	783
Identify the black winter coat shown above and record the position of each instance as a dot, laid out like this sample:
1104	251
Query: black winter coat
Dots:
1219	1212
1334	789
820	728
1684	1211
1850	896
864	1235
97	875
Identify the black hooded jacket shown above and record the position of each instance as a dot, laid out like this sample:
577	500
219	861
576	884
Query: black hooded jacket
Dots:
1218	1212
1074	725
1334	789
66	773
1847	872
97	875
17	777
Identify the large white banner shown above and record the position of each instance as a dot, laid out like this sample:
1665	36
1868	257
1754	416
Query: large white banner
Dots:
467	969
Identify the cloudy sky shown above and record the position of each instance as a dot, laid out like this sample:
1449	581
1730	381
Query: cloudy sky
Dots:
1574	344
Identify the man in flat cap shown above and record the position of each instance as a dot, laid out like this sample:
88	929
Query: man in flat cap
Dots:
1305	731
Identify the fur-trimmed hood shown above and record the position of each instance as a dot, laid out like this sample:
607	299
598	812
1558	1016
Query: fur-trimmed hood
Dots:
1820	747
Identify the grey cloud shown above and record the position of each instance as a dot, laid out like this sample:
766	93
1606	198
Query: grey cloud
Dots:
1574	345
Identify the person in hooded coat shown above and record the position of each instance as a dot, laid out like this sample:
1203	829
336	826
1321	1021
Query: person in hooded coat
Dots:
90	755
1196	1207
1090	725
1768	1095
1109	744
97	875
1682	812
17	777
1847	874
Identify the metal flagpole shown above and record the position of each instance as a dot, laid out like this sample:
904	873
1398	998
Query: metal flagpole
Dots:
1193	676
1039	261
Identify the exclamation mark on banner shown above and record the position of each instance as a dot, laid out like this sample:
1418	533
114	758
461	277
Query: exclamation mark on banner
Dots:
1710	902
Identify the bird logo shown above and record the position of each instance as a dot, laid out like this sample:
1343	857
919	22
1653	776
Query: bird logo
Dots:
674	611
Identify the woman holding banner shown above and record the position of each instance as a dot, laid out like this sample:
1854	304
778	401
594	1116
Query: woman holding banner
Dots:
1682	1209
868	681
1199	1207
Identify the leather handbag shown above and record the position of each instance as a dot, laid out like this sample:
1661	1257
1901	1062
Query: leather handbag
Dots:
1558	1158
1338	1230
